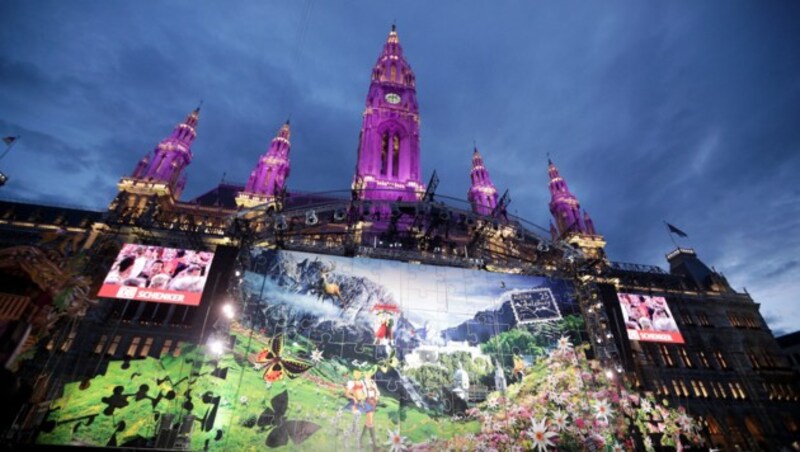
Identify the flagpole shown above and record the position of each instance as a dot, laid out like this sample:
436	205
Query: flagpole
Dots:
10	145
669	233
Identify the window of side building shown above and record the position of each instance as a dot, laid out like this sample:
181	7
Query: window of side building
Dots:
687	361
702	319
666	356
686	318
703	359
723	363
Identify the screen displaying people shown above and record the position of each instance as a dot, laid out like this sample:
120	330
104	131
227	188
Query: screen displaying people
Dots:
648	318
162	269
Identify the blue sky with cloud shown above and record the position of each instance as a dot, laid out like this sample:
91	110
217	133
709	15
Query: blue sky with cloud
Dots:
679	111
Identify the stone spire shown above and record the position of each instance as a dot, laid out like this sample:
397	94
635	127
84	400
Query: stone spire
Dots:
388	148
564	206
268	180
171	156
482	193
571	224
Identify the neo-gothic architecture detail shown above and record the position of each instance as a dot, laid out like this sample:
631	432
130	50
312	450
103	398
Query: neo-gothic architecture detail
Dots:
171	156
388	165
572	225
565	208
267	183
482	193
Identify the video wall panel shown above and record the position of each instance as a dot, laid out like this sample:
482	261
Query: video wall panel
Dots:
649	319
157	274
331	353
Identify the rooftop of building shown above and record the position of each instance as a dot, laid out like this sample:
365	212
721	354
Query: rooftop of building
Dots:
789	340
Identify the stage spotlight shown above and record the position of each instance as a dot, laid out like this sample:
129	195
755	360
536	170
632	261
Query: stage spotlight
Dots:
215	347
311	218
339	214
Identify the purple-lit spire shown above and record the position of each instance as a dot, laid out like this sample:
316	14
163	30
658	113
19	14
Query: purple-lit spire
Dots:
269	177
171	156
268	180
388	149
482	192
565	208
587	221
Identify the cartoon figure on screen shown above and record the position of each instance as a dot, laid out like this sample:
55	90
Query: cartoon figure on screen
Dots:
362	393
384	334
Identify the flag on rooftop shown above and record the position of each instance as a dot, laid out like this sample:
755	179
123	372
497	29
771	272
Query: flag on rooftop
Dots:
676	231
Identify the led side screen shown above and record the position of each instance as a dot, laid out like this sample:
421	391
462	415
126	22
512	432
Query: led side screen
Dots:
648	319
154	273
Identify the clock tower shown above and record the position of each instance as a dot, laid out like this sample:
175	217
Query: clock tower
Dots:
388	148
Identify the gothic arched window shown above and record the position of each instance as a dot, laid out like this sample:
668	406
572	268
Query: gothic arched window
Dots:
395	155
384	152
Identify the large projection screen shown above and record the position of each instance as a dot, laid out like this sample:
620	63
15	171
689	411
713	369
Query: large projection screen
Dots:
649	319
325	352
158	274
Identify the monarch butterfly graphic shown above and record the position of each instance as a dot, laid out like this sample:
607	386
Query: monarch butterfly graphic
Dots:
275	365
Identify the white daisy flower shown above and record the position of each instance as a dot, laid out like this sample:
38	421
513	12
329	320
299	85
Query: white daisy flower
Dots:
602	410
559	419
540	436
396	442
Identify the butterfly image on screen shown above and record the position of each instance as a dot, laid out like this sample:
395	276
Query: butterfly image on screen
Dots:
275	365
283	429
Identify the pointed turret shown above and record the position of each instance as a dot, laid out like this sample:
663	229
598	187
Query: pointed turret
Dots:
570	224
388	149
482	193
268	180
171	156
588	223
564	206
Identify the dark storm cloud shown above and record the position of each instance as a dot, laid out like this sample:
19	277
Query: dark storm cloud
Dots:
652	111
781	269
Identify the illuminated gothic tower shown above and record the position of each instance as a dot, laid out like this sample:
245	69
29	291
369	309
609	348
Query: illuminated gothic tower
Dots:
268	180
570	224
482	194
170	157
388	148
565	208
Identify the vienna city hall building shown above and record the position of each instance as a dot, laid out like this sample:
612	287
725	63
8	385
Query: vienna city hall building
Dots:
381	317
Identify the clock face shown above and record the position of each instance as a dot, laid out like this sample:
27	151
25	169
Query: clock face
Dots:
392	98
